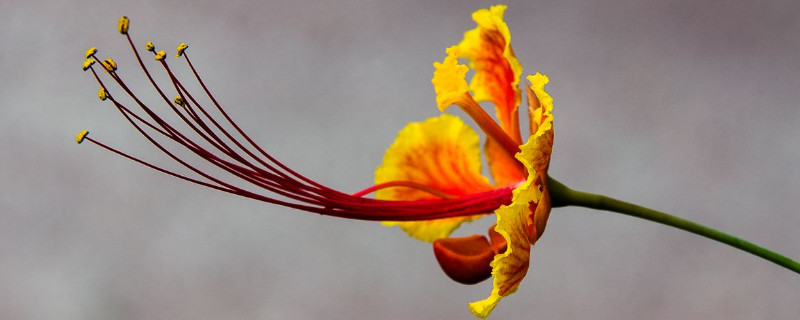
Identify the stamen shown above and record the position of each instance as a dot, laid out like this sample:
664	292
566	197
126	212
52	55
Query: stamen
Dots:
175	135
149	46
87	64
102	94
153	166
181	48
80	136
122	26
89	53
284	186
244	135
160	55
109	65
407	184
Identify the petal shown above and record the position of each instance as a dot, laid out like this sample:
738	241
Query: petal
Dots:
449	80
497	71
509	268
523	221
441	153
466	260
540	104
504	169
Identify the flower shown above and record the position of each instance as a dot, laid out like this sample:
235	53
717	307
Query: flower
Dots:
430	181
443	153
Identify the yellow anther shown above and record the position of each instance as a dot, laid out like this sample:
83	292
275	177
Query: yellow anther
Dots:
87	64
160	55
80	136
102	94
181	48
122	26
90	52
179	101
149	46
110	65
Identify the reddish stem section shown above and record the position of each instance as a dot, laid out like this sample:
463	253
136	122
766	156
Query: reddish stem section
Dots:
209	141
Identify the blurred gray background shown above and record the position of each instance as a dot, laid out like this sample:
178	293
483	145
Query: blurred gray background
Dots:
691	107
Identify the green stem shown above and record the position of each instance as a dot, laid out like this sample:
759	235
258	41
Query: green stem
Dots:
561	196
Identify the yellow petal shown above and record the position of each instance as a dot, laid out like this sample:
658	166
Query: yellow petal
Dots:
523	221
449	80
508	268
515	222
497	70
441	153
540	103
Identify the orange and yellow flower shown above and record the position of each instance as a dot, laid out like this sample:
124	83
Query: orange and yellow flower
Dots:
430	181
443	153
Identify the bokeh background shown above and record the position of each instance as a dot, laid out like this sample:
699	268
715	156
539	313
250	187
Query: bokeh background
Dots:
691	107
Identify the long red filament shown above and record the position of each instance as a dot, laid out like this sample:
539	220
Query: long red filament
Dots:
263	171
407	184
